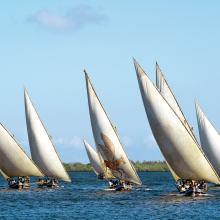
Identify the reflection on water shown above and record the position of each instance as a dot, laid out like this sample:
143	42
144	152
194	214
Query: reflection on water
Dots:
87	198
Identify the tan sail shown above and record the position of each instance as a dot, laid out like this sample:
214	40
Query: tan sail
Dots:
176	144
210	139
107	141
13	160
42	149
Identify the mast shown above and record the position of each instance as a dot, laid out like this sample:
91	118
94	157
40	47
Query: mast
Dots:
209	137
43	151
107	141
176	144
13	160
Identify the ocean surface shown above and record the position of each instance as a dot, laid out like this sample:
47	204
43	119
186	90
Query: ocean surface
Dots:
87	198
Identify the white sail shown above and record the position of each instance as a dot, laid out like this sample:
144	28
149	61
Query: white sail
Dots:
13	160
94	159
167	93
174	175
42	149
97	162
107	141
176	144
210	139
4	175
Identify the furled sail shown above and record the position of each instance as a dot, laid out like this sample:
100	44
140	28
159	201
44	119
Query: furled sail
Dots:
107	141
13	160
94	159
210	139
42	149
167	93
176	144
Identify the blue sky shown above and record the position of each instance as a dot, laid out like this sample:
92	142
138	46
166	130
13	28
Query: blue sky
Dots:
45	45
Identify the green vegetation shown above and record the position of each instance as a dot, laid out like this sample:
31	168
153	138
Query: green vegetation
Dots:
146	166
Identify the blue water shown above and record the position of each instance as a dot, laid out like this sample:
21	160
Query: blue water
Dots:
86	198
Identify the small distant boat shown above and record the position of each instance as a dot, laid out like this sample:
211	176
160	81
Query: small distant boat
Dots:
97	163
16	166
209	138
43	151
109	145
175	138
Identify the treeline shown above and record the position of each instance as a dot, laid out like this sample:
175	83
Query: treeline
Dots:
145	166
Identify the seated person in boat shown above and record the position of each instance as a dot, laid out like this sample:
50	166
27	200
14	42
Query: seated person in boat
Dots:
113	183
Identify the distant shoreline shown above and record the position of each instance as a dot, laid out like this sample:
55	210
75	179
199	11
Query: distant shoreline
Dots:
145	166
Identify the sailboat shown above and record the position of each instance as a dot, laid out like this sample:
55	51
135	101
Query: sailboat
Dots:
166	92
107	141
43	151
209	138
16	166
174	139
98	164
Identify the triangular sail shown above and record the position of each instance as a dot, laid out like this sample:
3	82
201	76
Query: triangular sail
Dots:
13	160
210	139
4	175
174	175
167	93
176	144
97	162
42	149
107	141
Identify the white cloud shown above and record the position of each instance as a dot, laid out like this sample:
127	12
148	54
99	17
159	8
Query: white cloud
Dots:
75	142
51	21
75	19
126	140
150	141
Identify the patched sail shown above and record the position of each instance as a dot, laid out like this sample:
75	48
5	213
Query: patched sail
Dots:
210	139
13	160
167	93
107	141
176	144
97	162
42	149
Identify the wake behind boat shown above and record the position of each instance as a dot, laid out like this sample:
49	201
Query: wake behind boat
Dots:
42	149
108	143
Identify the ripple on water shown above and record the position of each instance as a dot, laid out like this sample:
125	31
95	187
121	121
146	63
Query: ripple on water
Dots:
86	198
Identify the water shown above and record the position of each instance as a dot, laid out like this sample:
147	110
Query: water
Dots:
85	198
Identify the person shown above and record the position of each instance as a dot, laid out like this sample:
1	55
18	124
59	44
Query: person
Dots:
101	176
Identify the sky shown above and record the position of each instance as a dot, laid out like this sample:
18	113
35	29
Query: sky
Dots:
45	45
